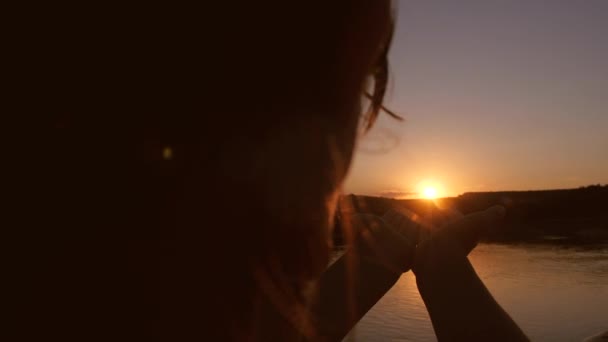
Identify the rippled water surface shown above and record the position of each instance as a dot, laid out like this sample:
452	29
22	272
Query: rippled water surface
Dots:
554	293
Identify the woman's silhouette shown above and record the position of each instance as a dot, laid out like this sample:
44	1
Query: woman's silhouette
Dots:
188	168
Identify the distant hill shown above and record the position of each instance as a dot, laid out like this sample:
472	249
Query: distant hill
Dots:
573	215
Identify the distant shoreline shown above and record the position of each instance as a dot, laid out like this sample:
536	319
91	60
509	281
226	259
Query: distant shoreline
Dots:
568	216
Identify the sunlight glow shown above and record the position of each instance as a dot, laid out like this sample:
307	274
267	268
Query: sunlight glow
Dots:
167	153
429	192
430	189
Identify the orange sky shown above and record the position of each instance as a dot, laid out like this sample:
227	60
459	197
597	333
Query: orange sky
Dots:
496	96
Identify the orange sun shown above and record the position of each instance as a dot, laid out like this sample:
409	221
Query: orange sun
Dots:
429	192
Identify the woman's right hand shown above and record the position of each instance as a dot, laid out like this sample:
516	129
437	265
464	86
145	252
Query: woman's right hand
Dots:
460	306
446	248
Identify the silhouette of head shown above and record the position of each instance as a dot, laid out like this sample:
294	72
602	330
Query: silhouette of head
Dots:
195	155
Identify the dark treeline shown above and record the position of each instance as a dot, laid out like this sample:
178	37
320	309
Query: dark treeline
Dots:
570	215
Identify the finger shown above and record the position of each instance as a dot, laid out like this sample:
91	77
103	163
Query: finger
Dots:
451	214
443	217
376	226
470	228
438	217
390	217
381	241
403	223
410	229
361	225
396	217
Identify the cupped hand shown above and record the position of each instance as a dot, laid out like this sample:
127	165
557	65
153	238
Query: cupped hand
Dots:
446	249
384	241
401	240
391	240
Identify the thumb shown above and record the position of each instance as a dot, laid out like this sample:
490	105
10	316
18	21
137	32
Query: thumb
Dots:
470	228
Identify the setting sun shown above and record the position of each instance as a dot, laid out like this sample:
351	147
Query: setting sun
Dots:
430	189
430	192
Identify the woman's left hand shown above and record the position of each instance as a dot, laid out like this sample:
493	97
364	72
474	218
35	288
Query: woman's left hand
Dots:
389	241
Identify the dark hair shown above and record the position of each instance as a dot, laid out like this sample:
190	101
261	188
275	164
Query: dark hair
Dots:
380	75
137	233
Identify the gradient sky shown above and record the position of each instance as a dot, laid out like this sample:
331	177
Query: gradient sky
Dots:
497	95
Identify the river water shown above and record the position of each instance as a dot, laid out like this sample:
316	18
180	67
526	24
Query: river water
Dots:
554	293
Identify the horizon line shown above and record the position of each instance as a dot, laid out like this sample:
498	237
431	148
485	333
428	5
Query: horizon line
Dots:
601	185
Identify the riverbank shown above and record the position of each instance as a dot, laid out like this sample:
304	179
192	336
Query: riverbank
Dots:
575	216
